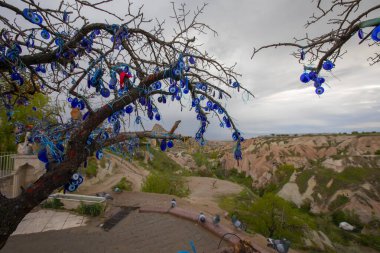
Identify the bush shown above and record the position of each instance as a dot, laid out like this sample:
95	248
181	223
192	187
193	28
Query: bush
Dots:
165	183
53	203
338	202
347	216
92	168
377	152
91	210
123	184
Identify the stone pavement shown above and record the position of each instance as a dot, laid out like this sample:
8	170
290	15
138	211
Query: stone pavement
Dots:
137	233
45	220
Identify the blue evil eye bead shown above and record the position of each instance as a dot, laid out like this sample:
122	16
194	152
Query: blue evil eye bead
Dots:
196	101
81	105
220	111
159	99
129	109
71	187
45	34
176	72
235	136
235	84
185	91
319	90
59	41
28	14
328	65
97	32
34	108
192	60
65	16
60	147
138	120
173	89
204	87
105	92
15	76
80	179
43	156
376	34
142	100
99	154
157	117
75	176
37	19
238	154
85	115
209	104
104	136
305	78
320	80
302	55
163	145
74	103
313	75
181	64
360	34
170	144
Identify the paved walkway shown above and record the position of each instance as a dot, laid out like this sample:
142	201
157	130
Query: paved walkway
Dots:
137	233
45	220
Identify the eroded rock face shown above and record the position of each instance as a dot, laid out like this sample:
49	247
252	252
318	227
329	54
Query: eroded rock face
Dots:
262	156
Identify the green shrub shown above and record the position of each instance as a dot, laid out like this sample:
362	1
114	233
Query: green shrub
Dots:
123	184
377	152
338	202
303	179
165	183
347	216
92	167
91	210
52	203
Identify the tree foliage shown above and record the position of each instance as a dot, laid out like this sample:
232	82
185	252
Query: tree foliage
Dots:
114	75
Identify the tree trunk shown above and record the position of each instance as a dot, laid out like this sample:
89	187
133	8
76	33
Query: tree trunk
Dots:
12	211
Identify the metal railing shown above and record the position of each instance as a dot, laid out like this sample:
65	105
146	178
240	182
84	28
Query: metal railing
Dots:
6	163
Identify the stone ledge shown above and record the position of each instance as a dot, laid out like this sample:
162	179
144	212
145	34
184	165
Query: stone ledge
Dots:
218	230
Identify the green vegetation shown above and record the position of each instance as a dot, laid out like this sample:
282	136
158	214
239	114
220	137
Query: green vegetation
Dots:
91	210
92	167
165	183
302	180
280	178
338	202
161	162
377	152
269	215
123	184
52	203
22	114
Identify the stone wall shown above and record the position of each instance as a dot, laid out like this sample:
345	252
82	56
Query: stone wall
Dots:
6	186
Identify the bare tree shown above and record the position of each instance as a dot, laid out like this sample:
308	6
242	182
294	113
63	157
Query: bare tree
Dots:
347	20
107	71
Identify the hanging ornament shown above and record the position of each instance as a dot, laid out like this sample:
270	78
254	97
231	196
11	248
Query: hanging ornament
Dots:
360	34
45	34
192	60
99	154
328	65
43	156
305	77
376	34
163	145
170	144
319	90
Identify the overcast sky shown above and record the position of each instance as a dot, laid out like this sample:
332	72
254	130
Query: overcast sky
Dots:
282	103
